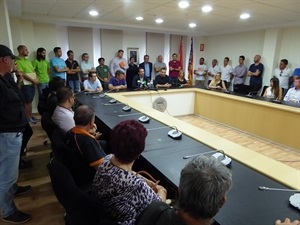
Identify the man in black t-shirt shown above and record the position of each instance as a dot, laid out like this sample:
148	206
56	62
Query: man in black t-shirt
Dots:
162	80
72	74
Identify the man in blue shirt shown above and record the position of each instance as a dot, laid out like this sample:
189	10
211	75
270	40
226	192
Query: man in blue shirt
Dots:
92	84
255	72
117	82
58	65
147	66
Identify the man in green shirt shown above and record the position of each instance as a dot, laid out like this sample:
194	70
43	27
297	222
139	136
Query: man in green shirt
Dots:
42	69
103	73
29	81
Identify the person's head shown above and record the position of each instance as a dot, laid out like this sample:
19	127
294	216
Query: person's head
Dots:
297	82
65	96
56	83
163	72
7	60
257	58
159	58
181	74
201	61
174	56
217	76
101	61
84	116
226	61
241	59
214	62
92	76
23	50
119	75
204	184
283	64
131	60
141	72
70	54
128	140
146	58
120	53
57	51
274	82
85	57
40	54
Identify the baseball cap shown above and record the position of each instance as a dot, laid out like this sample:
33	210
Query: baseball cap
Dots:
5	51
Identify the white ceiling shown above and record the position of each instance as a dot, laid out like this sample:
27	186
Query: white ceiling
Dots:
121	14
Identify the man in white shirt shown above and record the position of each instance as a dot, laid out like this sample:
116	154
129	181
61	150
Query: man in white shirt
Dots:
86	66
284	74
293	94
63	113
118	63
226	72
213	70
92	84
200	73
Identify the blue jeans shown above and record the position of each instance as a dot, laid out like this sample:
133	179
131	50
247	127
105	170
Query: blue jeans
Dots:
74	85
10	144
42	86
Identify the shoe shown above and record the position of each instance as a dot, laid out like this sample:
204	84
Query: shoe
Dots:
17	218
35	119
22	190
30	120
25	163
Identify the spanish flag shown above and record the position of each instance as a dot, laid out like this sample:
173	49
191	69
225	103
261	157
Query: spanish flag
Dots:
191	58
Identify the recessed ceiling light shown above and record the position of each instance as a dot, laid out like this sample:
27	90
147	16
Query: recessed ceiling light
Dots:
183	4
206	8
93	13
159	21
192	25
244	16
139	18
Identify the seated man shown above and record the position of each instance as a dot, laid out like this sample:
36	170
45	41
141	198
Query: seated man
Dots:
139	80
92	84
63	113
204	184
82	139
117	82
162	80
293	94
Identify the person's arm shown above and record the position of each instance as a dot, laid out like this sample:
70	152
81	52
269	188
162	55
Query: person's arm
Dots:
280	93
211	86
111	87
223	85
287	96
99	88
242	73
134	82
265	93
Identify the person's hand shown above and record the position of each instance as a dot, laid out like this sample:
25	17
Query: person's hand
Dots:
287	221
105	79
249	73
98	135
218	87
35	81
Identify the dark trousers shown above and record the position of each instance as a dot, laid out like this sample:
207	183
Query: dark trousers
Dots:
254	88
27	133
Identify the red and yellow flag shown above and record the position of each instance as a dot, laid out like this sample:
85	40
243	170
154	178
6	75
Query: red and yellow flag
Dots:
191	59
180	53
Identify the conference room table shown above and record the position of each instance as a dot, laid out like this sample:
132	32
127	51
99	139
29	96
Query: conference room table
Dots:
246	204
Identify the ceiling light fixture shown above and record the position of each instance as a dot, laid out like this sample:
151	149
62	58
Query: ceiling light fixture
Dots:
244	16
206	8
93	13
183	4
139	18
159	21
192	25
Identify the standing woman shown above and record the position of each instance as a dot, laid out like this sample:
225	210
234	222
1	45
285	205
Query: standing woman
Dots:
274	91
123	193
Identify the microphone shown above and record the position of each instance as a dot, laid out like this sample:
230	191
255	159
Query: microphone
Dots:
250	94
262	188
103	94
220	155
175	133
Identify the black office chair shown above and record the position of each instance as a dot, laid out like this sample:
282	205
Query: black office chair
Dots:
81	208
263	90
48	125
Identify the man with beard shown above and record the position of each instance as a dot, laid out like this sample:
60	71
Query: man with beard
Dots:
255	72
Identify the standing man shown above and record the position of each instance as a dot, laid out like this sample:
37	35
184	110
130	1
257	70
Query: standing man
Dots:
226	72
213	70
118	63
174	67
12	123
200	73
147	66
103	73
86	66
284	74
74	70
42	69
255	72
29	81
58	65
158	65
239	73
131	72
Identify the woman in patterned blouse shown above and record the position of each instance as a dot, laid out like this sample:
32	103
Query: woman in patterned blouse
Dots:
125	194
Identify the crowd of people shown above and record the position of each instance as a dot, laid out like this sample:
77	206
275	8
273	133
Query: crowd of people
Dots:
126	195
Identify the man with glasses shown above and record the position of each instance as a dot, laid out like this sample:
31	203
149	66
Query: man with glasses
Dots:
12	124
284	74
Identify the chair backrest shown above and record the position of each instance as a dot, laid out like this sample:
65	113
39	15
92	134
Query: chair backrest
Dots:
47	124
81	208
263	90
